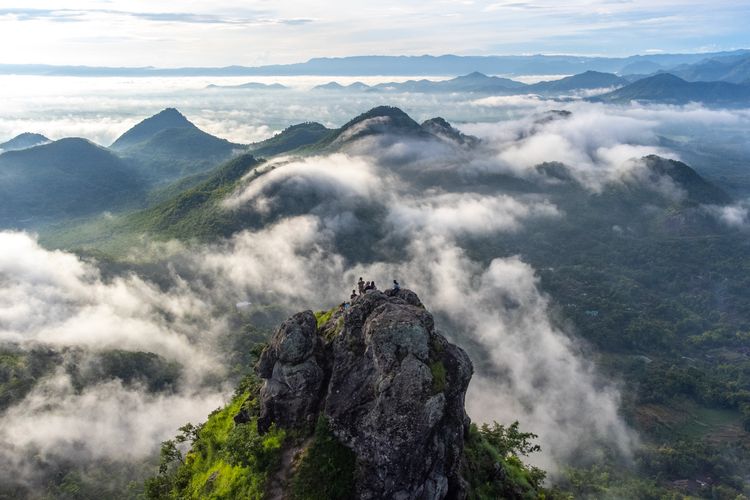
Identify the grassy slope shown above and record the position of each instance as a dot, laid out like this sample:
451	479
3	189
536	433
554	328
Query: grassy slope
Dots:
192	213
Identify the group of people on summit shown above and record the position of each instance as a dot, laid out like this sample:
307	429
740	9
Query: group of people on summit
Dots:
365	287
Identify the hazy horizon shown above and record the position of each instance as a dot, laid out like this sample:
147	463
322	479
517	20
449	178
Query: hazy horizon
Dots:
201	33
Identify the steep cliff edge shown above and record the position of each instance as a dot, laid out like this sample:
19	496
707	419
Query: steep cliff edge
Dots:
391	388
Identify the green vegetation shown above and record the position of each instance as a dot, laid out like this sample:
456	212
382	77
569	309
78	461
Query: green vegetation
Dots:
437	368
494	468
326	468
290	139
20	370
229	459
326	329
322	317
66	178
167	146
226	460
193	214
147	368
178	152
656	289
703	471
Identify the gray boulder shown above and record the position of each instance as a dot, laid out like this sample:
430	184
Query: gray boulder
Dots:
291	392
391	387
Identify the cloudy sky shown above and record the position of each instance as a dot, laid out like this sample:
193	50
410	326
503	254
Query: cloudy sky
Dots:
221	32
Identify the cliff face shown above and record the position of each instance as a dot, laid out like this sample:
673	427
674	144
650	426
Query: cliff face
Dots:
390	386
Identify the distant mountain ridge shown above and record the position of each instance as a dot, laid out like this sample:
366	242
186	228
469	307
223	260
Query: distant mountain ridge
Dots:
726	69
669	89
583	81
697	189
444	65
472	82
477	82
23	141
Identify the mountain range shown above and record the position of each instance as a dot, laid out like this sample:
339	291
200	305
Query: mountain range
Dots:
169	152
480	83
669	89
445	65
660	88
167	155
477	82
732	69
194	209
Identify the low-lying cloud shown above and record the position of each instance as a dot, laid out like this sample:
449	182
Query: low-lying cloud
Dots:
735	216
104	421
528	368
57	301
56	298
466	213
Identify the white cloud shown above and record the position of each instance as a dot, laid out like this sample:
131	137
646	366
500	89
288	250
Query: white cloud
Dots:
524	100
104	421
55	298
336	176
466	213
169	33
736	215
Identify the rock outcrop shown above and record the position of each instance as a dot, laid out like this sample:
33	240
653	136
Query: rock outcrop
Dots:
390	386
291	393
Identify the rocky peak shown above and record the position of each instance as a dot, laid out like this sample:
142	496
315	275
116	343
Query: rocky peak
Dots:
391	387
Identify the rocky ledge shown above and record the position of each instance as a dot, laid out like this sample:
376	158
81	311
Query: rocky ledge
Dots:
391	387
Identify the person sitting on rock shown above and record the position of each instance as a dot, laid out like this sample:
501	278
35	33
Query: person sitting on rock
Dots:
372	286
353	295
368	287
361	285
396	286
